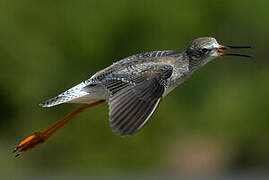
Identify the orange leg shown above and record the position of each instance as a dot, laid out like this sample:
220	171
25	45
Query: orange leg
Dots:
43	136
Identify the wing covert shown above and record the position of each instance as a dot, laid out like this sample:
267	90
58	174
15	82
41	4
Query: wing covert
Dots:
135	96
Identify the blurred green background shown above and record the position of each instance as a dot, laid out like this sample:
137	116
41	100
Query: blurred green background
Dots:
215	123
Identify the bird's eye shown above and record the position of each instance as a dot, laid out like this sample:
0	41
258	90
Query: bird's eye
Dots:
204	50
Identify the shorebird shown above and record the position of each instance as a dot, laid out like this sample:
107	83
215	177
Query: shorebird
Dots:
133	87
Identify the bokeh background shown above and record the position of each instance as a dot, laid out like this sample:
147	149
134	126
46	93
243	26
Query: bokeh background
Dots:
215	124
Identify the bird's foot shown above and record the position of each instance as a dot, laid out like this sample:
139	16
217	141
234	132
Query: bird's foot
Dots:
30	143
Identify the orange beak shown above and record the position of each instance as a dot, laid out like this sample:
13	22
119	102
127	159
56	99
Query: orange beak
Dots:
221	51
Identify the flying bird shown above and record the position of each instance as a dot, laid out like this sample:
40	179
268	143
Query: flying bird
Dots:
133	87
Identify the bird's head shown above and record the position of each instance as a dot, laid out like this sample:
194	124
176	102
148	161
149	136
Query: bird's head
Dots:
203	50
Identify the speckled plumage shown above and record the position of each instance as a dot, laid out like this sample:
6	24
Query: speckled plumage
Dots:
124	69
134	86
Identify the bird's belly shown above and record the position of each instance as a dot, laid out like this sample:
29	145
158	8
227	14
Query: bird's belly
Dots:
94	93
87	99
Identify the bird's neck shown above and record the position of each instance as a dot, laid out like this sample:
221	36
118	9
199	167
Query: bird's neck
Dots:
196	63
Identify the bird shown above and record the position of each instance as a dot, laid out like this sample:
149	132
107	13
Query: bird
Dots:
133	87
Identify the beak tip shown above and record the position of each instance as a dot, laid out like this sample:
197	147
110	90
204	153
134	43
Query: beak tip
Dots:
239	47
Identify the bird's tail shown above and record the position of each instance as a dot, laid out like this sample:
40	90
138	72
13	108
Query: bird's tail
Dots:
56	101
67	96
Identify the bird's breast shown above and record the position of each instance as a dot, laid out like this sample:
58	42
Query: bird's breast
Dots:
180	74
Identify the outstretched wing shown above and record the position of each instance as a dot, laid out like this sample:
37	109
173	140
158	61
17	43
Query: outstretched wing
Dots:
135	96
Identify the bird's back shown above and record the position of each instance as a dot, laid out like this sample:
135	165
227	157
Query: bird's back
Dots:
92	89
153	56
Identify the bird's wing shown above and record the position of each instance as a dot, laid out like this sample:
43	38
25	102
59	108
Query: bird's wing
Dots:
135	96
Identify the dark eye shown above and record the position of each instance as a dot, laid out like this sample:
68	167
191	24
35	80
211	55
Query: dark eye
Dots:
204	50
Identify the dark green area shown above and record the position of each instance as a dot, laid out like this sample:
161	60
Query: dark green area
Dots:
48	46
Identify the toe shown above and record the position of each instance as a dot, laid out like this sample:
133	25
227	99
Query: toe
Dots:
29	143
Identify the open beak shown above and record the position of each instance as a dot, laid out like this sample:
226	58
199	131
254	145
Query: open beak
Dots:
222	51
